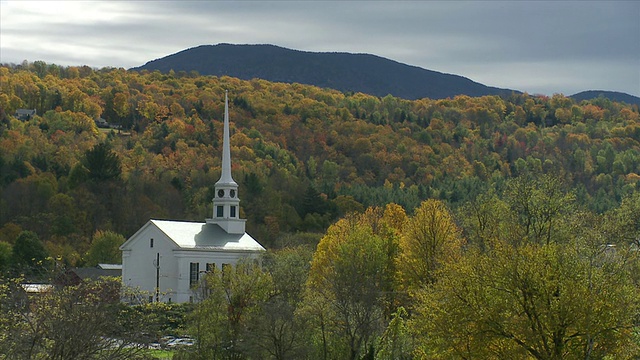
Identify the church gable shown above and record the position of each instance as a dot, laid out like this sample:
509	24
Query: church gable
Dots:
148	236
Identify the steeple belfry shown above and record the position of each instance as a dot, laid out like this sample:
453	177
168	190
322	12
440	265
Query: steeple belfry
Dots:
226	204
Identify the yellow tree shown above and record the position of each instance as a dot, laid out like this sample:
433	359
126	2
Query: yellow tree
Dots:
121	104
347	285
537	301
429	239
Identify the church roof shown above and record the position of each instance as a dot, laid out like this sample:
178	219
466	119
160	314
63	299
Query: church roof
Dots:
204	236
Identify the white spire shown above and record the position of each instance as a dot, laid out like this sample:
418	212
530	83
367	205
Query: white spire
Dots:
225	177
226	203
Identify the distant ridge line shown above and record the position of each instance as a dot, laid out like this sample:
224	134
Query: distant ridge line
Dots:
342	71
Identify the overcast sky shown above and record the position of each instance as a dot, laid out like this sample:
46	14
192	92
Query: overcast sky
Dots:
541	47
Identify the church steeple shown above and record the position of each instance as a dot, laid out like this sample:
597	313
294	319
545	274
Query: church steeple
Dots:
226	204
225	177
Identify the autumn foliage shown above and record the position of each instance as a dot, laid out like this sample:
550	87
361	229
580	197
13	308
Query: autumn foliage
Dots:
433	214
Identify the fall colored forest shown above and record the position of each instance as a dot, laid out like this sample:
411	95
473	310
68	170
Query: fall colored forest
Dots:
484	227
303	156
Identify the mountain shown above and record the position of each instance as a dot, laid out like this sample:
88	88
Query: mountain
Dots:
611	95
346	72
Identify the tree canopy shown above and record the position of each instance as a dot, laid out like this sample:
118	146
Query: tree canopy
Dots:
304	156
488	227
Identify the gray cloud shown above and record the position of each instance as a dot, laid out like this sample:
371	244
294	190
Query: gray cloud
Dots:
536	46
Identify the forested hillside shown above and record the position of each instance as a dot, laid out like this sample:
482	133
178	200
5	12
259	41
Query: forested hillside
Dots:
365	73
481	227
303	156
611	95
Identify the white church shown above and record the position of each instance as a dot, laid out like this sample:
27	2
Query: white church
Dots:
165	259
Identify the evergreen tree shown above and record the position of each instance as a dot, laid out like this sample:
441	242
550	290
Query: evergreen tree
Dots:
29	254
102	163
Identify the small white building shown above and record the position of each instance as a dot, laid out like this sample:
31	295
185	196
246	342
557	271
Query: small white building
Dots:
165	259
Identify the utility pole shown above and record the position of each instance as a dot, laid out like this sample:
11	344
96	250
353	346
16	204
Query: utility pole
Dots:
157	264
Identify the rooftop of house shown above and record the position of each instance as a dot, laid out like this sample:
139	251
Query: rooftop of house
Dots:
201	235
110	266
26	111
95	273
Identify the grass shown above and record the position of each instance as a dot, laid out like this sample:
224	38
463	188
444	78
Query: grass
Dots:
160	354
108	130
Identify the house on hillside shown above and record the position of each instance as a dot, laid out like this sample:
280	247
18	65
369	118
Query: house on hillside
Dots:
25	114
101	123
166	259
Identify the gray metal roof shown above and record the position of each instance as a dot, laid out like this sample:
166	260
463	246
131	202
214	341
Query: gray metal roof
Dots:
95	273
201	236
110	266
26	111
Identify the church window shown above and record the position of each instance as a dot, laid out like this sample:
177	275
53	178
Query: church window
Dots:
233	212
211	267
225	268
219	211
194	272
151	242
220	193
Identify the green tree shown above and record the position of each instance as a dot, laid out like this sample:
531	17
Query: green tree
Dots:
278	331
540	205
312	203
540	301
102	163
623	225
29	254
486	219
28	197
78	175
12	324
64	215
74	322
395	342
5	256
231	299
105	248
